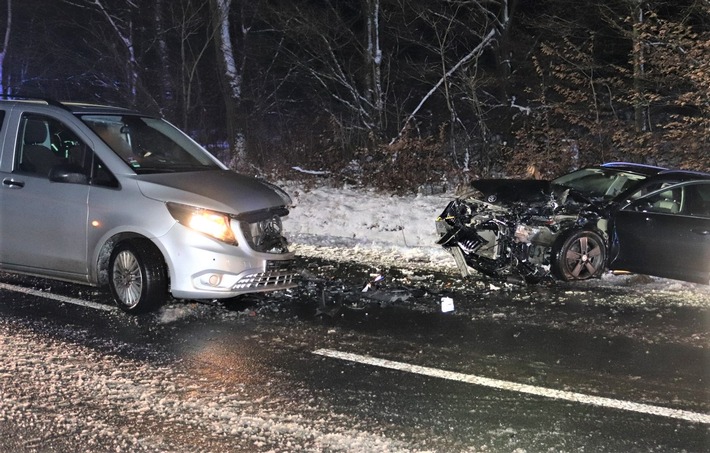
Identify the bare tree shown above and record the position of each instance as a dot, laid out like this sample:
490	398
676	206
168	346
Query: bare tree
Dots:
373	55
232	69
462	31
119	20
167	82
339	47
193	41
638	57
629	20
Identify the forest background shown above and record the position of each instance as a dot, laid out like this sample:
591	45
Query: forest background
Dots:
402	95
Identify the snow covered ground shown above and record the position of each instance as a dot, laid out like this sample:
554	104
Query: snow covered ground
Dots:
367	226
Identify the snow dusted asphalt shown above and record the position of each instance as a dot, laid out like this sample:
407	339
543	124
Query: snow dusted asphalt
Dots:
89	401
113	403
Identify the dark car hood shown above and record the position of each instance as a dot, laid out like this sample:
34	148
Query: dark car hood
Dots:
504	191
220	190
536	194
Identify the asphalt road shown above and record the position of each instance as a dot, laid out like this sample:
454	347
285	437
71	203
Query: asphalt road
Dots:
328	367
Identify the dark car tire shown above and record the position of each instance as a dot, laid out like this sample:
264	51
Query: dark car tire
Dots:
579	255
137	276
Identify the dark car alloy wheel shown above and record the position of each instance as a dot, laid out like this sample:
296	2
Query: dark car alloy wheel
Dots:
137	276
579	255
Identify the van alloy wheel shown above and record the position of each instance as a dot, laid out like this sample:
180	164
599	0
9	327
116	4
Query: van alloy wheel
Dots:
127	279
138	278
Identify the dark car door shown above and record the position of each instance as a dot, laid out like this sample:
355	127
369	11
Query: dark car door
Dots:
666	233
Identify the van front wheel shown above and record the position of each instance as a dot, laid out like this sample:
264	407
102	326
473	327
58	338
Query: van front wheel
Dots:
137	276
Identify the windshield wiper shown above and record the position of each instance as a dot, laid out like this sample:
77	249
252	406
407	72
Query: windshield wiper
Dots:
143	170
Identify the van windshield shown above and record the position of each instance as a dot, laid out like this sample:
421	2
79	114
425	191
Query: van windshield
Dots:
150	145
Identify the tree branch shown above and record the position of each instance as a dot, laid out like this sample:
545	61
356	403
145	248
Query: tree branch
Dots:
470	56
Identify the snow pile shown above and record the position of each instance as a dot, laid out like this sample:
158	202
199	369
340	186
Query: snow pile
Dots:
375	227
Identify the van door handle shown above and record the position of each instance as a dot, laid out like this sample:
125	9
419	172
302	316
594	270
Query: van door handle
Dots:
700	232
12	183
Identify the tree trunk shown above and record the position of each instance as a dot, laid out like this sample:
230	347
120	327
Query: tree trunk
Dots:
167	95
503	49
230	76
375	93
638	66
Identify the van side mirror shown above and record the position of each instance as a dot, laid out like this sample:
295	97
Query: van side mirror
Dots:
68	173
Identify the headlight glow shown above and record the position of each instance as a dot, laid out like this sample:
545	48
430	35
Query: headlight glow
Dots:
211	223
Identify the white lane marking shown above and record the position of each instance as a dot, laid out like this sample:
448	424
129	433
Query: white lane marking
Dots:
516	387
69	300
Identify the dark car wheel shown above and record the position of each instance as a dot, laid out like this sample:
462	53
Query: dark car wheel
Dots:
137	276
579	255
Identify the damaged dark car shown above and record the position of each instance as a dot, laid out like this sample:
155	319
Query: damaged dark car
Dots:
617	216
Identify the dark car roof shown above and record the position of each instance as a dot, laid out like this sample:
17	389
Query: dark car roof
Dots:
661	172
647	170
684	175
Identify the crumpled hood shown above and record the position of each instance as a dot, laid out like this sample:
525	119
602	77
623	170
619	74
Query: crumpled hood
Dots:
219	190
503	191
535	194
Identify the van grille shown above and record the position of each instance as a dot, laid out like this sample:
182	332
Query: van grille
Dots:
276	276
265	235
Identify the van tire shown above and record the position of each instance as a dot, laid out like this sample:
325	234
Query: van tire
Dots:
137	276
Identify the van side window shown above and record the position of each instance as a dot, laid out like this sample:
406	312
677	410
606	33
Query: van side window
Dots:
43	143
34	154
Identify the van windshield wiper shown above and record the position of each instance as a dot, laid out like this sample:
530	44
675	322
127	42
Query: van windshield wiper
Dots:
178	169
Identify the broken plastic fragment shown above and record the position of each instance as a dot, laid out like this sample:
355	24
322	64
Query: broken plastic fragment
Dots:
447	304
377	278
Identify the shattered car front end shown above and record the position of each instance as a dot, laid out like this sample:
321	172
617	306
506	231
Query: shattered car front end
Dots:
528	230
514	240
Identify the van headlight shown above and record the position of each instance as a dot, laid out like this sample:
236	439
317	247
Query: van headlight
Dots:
212	223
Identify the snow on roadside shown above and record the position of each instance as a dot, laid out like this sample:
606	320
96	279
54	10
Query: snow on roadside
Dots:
367	226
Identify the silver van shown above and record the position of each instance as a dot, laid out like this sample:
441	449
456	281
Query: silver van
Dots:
109	196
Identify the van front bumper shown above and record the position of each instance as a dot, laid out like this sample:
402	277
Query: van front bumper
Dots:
201	267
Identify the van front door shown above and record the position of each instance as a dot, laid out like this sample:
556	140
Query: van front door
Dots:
43	224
